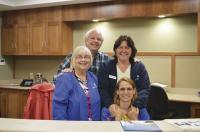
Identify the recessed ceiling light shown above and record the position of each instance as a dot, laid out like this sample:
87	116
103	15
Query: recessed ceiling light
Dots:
161	16
95	20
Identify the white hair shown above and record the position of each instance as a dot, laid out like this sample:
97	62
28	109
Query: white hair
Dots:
93	30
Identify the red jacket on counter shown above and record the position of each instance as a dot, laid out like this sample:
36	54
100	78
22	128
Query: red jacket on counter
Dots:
39	103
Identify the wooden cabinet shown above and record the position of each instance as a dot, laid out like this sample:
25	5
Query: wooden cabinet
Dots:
8	39
12	102
53	37
15	33
22	39
47	38
47	35
15	39
37	39
36	32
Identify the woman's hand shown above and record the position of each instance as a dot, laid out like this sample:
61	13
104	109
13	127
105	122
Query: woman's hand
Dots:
116	112
133	113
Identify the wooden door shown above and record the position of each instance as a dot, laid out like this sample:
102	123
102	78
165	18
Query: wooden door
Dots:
54	38
16	100
38	39
12	102
8	40
3	104
67	38
13	105
22	102
22	38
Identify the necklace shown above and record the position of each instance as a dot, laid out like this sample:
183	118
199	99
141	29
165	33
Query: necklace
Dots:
84	82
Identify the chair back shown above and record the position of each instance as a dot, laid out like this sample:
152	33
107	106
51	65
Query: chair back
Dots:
158	102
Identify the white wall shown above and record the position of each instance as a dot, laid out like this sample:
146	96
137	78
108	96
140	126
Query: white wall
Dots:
46	65
158	67
188	71
175	34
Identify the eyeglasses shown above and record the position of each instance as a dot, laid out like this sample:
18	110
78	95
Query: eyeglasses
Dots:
86	57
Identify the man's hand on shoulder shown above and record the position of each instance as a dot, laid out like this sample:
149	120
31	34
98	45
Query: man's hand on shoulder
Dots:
67	70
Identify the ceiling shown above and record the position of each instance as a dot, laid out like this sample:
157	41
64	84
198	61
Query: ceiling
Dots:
25	4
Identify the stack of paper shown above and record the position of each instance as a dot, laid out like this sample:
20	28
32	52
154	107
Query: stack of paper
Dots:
185	124
140	126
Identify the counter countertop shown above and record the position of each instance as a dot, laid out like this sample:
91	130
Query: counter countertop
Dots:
72	126
183	95
12	84
14	87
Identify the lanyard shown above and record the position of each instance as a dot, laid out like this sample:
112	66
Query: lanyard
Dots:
89	108
84	86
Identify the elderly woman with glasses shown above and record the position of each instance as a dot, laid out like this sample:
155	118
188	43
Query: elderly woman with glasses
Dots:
76	94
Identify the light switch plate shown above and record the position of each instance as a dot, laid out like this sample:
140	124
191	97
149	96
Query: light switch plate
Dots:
2	61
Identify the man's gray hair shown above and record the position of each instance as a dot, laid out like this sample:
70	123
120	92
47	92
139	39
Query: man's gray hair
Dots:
93	30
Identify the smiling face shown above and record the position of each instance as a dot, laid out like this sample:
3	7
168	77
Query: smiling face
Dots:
126	92
94	40
82	61
123	52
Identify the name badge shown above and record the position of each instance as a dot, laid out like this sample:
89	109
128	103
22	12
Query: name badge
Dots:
112	77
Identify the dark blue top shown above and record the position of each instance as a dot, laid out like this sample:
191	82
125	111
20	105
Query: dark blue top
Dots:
106	116
70	101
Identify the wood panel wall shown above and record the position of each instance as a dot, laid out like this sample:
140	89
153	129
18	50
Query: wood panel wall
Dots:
125	9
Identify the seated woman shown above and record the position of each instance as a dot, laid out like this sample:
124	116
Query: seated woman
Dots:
76	95
122	109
